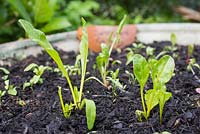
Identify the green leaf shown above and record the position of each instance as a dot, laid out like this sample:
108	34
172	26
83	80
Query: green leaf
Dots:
58	23
163	70
150	51
129	56
151	99
115	74
26	84
173	39
2	93
12	90
36	35
5	71
41	70
30	67
152	63
5	77
40	37
6	84
116	83
141	69
90	113
163	96
83	54
65	107
76	93
35	79
43	11
67	110
18	5
121	24
139	114
102	60
190	49
74	12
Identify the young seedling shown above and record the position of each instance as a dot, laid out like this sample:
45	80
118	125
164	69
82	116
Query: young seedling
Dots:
137	47
11	89
161	72
115	81
169	49
150	52
190	51
6	73
38	71
141	72
129	56
102	59
131	77
78	102
173	47
192	63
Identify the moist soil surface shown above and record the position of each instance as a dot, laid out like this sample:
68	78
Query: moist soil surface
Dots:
42	112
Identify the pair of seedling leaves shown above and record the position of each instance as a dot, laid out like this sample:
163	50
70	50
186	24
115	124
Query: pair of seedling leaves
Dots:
78	102
38	71
161	72
11	89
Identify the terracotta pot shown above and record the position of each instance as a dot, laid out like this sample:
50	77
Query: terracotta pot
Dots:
99	34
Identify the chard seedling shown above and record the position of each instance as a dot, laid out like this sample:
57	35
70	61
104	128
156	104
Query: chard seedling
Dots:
11	89
129	56
192	63
173	46
131	77
102	59
134	50
73	69
141	72
38	71
78	102
169	49
161	72
190	51
115	81
150	52
137	47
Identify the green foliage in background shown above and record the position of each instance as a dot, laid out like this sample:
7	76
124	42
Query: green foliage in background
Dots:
52	16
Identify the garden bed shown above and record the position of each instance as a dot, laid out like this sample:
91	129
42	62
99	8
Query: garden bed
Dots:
42	112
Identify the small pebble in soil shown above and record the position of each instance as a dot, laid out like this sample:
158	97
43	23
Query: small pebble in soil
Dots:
118	125
188	115
198	90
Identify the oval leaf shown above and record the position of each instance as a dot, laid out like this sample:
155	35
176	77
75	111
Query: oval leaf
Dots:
5	71
151	98
30	67
90	113
163	97
173	39
141	69
163	70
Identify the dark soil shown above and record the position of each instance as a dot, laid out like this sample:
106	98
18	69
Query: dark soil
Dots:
115	114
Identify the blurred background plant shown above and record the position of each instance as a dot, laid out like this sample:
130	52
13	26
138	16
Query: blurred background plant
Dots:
52	16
